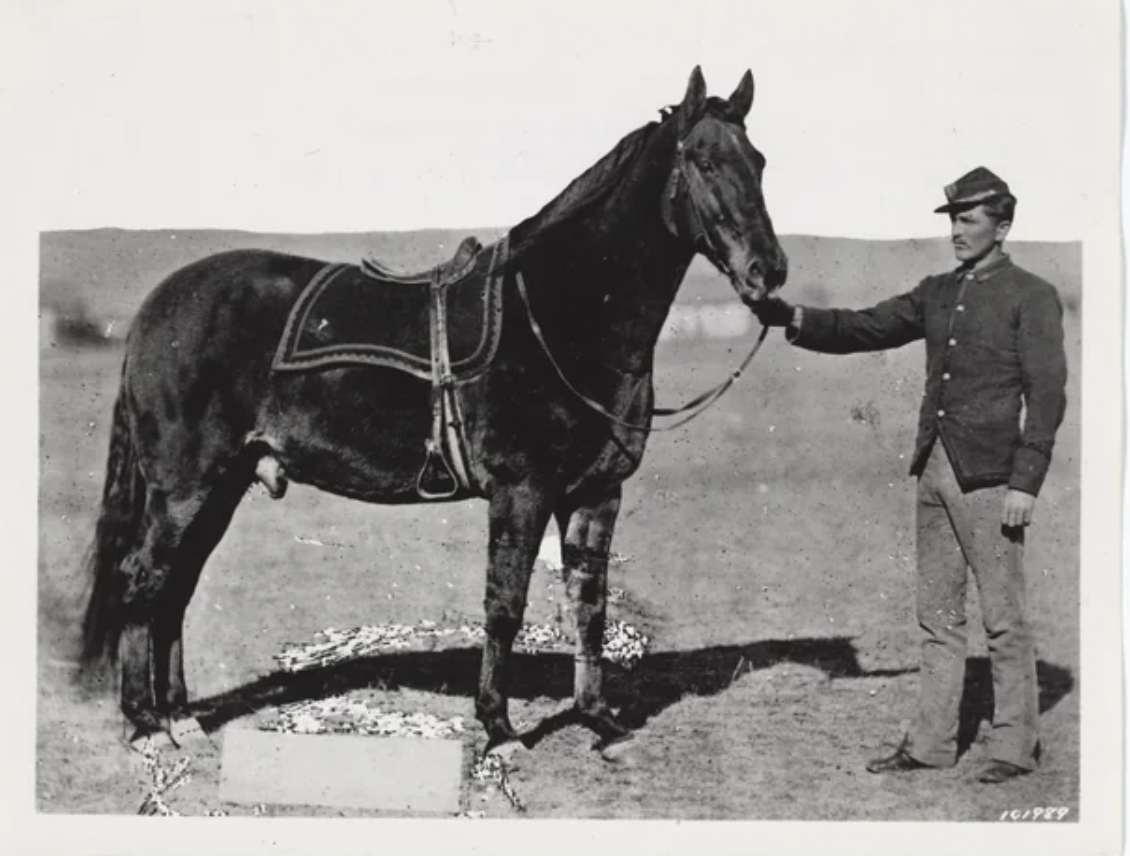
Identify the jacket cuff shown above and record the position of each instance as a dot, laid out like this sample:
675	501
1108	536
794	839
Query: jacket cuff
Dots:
812	327
793	330
1029	468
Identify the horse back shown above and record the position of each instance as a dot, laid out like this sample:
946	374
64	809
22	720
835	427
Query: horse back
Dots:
197	361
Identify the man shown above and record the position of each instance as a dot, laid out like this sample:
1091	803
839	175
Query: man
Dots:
994	339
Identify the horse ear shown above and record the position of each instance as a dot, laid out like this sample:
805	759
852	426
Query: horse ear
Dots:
742	99
693	101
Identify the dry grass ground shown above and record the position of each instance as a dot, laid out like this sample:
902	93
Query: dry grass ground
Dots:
770	551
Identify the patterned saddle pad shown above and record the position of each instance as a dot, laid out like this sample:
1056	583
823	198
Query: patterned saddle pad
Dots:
347	316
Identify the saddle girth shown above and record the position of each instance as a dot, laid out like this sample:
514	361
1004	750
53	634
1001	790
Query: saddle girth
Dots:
446	472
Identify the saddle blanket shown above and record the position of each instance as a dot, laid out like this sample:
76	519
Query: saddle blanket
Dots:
347	316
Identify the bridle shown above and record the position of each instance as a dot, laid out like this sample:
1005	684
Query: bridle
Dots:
680	175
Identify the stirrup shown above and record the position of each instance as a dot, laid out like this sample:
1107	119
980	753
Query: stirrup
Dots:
436	480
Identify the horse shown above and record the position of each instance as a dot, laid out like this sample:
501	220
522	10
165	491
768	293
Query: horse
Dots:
551	427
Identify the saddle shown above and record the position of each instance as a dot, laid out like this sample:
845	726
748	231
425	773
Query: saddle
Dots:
442	324
445	272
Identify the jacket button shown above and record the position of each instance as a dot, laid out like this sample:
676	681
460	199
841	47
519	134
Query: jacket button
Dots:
969	276
946	376
941	413
953	341
961	307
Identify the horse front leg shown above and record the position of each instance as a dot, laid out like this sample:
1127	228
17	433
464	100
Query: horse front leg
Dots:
518	516
584	553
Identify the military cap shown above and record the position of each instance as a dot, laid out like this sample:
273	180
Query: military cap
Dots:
975	187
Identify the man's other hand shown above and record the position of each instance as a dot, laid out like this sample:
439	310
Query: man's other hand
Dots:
1018	507
773	312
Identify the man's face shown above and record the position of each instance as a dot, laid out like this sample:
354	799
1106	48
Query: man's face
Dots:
975	234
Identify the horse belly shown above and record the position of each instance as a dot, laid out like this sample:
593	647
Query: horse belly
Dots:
356	432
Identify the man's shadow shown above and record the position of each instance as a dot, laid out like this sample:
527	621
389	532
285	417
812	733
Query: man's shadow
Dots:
657	682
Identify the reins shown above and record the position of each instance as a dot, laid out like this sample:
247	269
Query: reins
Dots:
697	405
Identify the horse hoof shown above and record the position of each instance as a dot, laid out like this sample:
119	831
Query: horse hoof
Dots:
618	750
500	739
143	741
510	753
499	735
186	731
604	723
145	721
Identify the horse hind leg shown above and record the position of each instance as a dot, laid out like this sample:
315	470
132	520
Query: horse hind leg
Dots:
206	528
144	575
158	580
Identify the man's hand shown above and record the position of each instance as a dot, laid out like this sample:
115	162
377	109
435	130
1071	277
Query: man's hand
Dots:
773	312
1018	507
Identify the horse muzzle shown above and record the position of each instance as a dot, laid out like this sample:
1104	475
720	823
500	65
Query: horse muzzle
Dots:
756	283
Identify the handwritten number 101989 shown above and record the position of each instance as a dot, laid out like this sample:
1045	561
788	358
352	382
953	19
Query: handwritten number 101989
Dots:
1044	813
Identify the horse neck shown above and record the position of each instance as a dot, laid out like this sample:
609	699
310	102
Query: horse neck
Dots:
633	230
623	270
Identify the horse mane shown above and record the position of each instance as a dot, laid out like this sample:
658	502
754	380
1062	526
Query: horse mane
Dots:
596	183
584	192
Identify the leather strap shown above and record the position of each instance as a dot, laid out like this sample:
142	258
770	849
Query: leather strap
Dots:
436	460
446	448
697	406
681	176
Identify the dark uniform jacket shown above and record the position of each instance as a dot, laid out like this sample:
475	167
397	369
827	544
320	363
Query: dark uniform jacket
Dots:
993	337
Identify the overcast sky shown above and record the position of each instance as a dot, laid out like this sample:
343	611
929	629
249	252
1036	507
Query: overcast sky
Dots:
337	115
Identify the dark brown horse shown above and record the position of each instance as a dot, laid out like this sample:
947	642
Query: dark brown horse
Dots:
586	288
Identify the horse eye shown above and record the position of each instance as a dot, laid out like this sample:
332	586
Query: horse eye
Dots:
706	167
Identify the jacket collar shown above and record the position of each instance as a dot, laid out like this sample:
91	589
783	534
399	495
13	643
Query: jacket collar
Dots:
988	271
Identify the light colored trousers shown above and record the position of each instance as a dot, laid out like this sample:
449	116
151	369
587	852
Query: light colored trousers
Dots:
958	532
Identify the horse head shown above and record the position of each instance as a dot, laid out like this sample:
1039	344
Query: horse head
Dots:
713	196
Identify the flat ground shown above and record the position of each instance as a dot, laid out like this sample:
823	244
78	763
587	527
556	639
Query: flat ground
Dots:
768	552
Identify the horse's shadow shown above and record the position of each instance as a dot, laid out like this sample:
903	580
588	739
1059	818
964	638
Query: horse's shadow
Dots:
657	682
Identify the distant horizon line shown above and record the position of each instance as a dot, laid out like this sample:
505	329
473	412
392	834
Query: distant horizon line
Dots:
480	229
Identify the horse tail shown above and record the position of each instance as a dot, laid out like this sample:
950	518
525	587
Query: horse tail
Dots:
116	534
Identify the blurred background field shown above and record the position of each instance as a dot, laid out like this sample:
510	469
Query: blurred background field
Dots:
768	550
